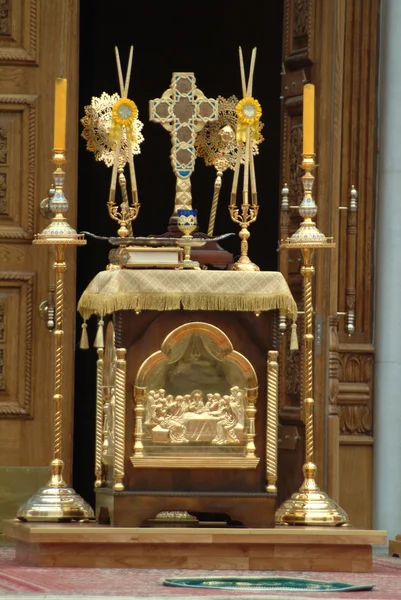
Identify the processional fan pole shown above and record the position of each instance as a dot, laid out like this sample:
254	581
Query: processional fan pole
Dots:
56	501
309	506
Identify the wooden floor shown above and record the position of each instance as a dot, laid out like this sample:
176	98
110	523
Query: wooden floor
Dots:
280	548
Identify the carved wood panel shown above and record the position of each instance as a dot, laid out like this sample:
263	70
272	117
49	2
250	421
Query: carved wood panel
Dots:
355	393
299	33
359	145
290	261
18	31
356	257
17	165
16	323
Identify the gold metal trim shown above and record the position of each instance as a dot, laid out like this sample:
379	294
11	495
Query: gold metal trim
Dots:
119	431
272	421
209	462
99	419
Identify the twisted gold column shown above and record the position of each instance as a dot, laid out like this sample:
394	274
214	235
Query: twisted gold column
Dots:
307	271
119	426
213	211
99	419
57	464
272	421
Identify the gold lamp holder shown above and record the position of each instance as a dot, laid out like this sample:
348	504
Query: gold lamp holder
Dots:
309	506
56	501
244	216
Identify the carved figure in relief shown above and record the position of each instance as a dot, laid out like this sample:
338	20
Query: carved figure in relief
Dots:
188	418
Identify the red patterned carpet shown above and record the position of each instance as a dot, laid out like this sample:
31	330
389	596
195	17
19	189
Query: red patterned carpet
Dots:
141	583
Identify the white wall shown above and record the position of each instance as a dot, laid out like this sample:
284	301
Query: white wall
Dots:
387	409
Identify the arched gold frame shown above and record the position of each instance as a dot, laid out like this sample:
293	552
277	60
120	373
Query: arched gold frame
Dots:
250	460
110	388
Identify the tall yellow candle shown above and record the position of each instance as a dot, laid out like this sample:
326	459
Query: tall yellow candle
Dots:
309	119
60	113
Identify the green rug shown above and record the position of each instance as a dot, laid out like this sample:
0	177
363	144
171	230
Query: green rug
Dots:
276	584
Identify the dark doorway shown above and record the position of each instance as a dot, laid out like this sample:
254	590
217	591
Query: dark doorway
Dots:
168	37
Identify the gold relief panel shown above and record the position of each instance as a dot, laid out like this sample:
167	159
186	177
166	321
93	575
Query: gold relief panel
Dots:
17	165
18	31
195	403
16	312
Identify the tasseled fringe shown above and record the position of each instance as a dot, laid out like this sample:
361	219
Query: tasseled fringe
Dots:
294	337
99	339
84	342
102	304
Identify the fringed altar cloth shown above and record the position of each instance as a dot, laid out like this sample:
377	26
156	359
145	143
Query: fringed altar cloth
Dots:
161	289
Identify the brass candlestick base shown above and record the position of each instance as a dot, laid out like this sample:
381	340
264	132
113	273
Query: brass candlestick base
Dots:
244	263
56	501
310	506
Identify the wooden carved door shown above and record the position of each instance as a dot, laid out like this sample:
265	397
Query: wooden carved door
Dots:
335	46
38	42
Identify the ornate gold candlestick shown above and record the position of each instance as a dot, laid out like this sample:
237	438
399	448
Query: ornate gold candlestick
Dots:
248	112
309	506
56	501
244	216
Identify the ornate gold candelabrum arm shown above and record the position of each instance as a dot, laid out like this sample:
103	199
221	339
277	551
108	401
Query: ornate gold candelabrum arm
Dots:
125	214
244	217
56	501
309	506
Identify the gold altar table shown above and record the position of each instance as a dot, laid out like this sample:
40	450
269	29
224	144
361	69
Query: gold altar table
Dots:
184	377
